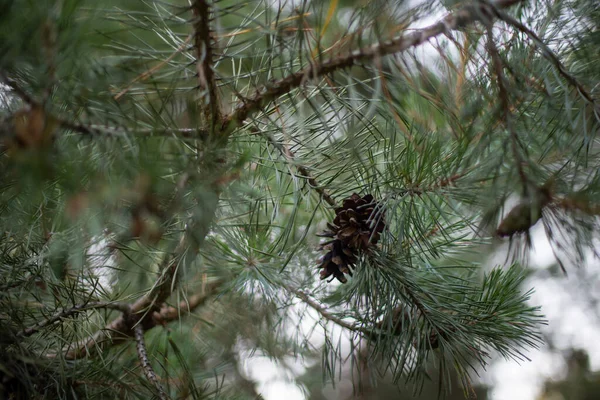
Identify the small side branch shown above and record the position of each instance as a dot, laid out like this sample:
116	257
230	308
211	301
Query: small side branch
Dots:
323	311
203	41
93	129
303	170
146	366
123	307
312	181
168	279
394	324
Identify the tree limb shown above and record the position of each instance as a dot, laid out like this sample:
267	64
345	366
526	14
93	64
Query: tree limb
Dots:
92	130
118	331
268	93
394	324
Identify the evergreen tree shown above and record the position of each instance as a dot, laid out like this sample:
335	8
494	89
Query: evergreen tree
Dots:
168	167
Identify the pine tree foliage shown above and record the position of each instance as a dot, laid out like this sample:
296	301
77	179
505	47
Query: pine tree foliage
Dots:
167	166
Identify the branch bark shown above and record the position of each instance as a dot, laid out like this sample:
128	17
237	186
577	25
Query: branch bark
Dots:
92	130
146	366
148	73
269	93
203	41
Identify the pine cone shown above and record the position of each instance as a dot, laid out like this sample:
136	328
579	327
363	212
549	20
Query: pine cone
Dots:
356	227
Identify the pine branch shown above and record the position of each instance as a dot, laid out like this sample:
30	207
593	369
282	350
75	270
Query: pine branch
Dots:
151	303
394	324
123	307
203	41
121	326
92	130
549	54
168	276
29	100
505	104
146	366
459	19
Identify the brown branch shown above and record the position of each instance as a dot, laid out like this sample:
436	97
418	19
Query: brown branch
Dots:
441	184
394	324
168	276
549	54
123	307
313	182
119	330
149	308
203	41
146	366
268	93
146	132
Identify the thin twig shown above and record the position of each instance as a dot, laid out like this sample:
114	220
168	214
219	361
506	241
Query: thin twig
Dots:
168	276
303	170
146	132
323	311
268	93
399	315
146	366
123	307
